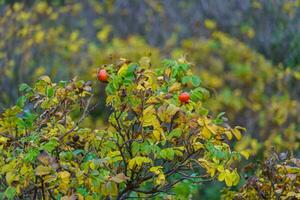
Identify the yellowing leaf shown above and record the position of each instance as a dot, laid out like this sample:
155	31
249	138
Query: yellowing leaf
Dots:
228	178
46	79
109	188
175	87
221	176
149	116
198	145
245	153
138	161
158	134
123	69
42	170
104	33
236	132
210	24
11	177
206	133
228	134
152	100
231	178
145	62
3	139
160	179
119	178
156	169
65	179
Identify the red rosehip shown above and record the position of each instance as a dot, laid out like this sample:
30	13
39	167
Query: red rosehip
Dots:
102	75
184	97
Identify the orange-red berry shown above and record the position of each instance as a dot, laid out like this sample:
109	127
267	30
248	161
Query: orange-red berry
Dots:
184	97
102	75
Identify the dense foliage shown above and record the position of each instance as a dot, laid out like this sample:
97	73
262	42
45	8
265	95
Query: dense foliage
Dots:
278	177
152	142
252	92
64	39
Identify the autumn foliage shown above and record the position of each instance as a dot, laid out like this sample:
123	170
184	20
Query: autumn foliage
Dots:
146	128
151	142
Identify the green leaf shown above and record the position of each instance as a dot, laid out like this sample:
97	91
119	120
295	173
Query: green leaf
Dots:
199	94
167	153
50	146
203	111
195	81
90	156
31	155
196	96
135	147
21	101
110	89
50	92
183	66
78	151
10	192
83	191
24	87
219	119
62	83
169	63
175	133
185	79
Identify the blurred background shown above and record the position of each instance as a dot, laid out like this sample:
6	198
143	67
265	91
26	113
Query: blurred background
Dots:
246	52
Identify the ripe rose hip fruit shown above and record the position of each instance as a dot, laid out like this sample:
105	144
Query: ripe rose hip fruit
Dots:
102	75
184	97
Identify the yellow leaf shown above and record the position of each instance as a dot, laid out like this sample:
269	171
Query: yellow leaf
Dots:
210	24
158	135
221	176
228	134
149	116
138	161
45	79
64	175
3	139
123	69
236	132
104	33
160	179
11	177
206	133
228	178
172	110
245	153
152	100
42	170
145	62
175	87
65	179
236	179
198	145
156	169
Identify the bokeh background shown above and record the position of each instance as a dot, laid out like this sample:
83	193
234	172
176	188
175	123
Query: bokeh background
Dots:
246	52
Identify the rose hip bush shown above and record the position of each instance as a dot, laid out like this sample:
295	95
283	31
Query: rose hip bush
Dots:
152	142
278	177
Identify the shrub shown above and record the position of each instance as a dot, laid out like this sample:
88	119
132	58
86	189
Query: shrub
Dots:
249	89
151	143
278	177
